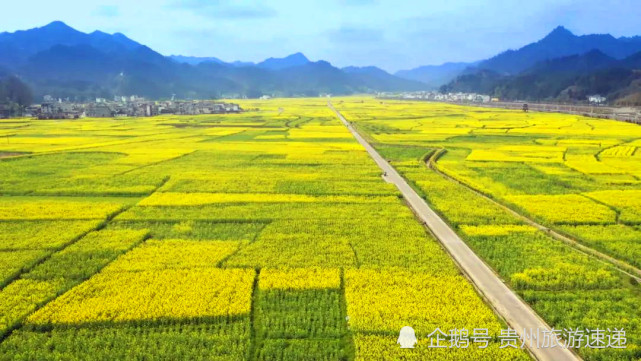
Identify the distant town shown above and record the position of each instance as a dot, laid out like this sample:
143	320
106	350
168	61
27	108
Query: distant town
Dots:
135	106
465	97
595	106
438	97
121	106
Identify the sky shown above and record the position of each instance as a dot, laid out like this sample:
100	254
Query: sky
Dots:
393	35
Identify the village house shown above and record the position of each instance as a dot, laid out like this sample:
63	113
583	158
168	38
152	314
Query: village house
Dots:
596	99
99	110
60	110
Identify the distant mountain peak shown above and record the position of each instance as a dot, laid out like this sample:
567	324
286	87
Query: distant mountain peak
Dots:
561	29
57	25
322	63
559	32
297	55
296	59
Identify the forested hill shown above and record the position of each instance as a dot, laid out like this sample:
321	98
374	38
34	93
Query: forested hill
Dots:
561	66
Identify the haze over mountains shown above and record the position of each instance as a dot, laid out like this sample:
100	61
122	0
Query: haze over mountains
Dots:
557	44
63	62
289	61
194	60
434	75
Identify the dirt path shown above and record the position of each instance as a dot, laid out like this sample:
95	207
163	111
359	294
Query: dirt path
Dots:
9	154
513	309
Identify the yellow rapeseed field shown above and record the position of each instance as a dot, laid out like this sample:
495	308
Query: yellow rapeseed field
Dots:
271	235
152	295
576	175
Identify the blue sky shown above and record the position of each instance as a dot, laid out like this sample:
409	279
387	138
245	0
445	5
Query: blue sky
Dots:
390	34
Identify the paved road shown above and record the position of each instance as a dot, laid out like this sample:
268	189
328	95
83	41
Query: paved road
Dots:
514	310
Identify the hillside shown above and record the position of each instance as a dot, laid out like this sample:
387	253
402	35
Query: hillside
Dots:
560	43
561	66
570	78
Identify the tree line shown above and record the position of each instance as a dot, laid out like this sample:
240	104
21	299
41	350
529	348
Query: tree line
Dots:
15	96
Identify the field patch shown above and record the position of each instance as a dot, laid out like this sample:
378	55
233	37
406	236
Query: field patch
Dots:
385	301
152	295
30	208
174	253
565	209
18	235
628	202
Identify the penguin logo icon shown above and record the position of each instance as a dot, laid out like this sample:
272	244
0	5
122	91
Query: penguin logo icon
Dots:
407	337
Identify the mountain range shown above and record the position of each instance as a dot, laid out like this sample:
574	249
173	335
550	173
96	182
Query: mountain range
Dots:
561	66
289	61
60	61
557	44
560	43
63	62
194	60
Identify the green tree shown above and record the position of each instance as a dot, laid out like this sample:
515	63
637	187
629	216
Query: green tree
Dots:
15	94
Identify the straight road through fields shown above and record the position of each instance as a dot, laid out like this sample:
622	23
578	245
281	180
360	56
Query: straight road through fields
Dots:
518	314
